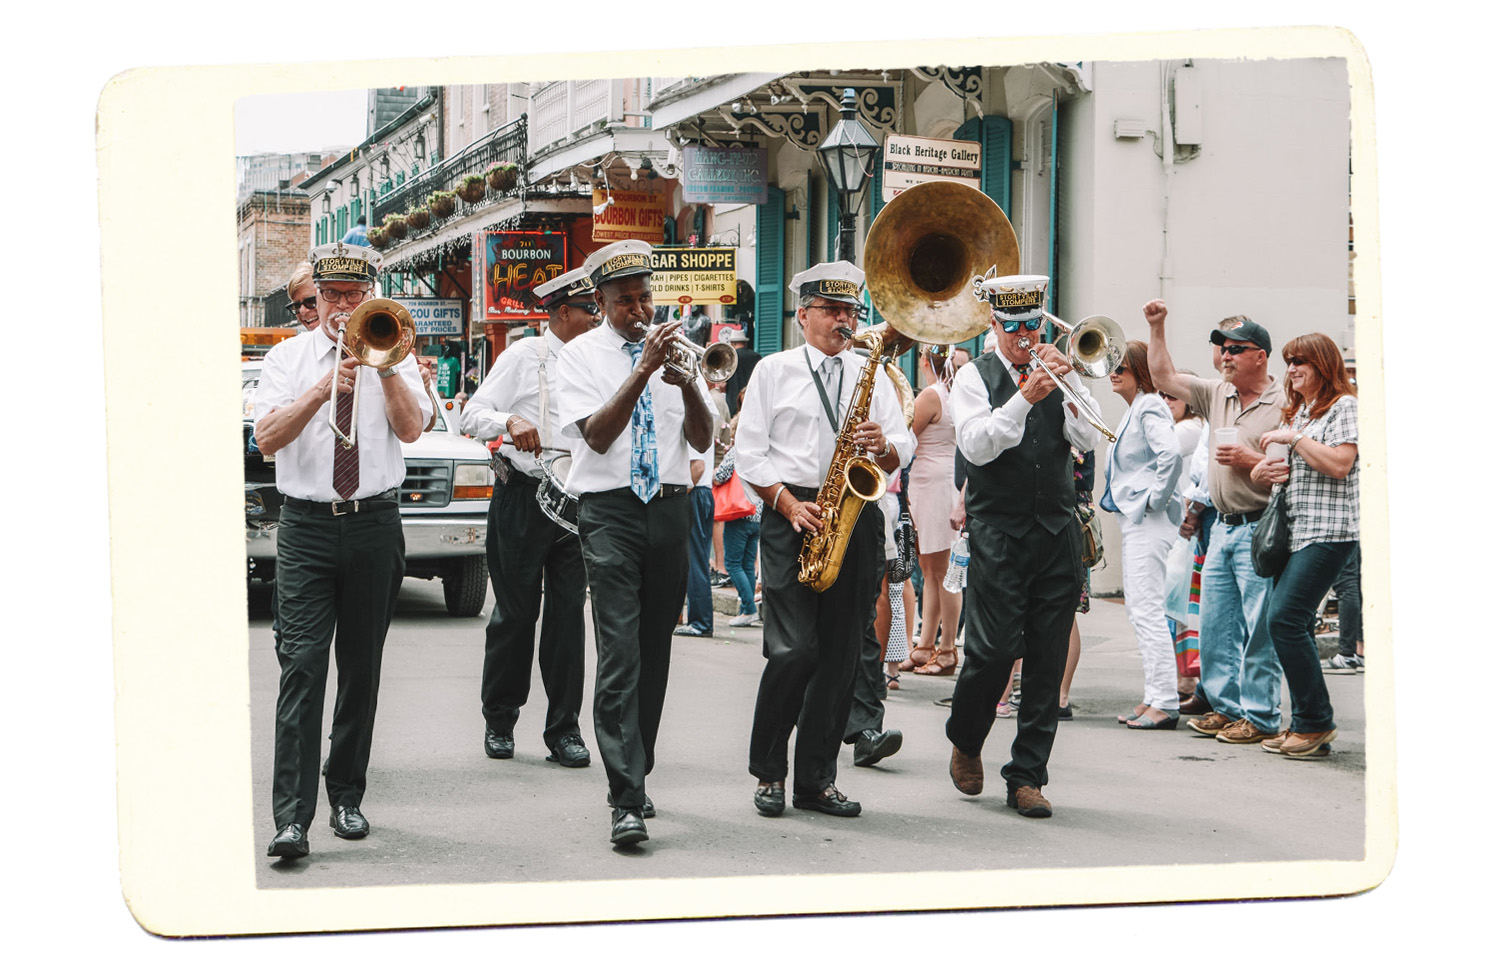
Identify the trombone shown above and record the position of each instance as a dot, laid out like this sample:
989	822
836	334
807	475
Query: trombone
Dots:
379	333
1094	347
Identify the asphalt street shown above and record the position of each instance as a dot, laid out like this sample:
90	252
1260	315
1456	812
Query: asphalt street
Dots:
441	812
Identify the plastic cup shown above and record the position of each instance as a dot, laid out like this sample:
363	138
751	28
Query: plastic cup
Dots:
1226	436
1278	451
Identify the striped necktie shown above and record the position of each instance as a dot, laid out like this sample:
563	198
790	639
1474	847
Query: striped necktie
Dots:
345	460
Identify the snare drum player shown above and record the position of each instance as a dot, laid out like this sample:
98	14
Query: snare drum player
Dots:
340	552
518	400
794	410
1014	428
635	425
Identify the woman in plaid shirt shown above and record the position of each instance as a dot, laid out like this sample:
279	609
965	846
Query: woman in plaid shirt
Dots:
1320	428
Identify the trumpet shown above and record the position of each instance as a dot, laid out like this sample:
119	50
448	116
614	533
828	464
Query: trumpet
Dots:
717	361
1094	348
379	333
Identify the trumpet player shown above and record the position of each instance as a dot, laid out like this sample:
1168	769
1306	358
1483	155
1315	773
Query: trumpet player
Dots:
1014	429
794	413
518	400
639	424
340	552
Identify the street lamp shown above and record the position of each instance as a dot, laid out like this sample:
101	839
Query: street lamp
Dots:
847	156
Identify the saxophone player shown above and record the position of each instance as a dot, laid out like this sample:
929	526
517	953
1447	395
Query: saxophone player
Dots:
796	406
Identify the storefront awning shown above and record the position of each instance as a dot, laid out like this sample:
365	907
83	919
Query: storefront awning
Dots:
666	113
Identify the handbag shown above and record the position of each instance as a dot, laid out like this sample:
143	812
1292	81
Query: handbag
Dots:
1093	536
905	563
1179	580
730	501
1271	544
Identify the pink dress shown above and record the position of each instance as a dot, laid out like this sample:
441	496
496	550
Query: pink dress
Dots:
931	495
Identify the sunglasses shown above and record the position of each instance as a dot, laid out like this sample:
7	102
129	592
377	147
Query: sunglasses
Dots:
1296	361
311	303
1235	350
588	308
1011	326
1119	370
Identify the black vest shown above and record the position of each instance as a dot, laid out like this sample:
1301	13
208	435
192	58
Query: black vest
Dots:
1032	481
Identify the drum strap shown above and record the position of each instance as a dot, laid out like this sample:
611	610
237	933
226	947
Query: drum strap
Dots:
544	404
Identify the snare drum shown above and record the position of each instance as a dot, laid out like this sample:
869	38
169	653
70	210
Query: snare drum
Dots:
557	503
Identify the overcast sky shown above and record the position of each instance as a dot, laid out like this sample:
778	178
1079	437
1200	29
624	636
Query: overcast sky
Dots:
301	122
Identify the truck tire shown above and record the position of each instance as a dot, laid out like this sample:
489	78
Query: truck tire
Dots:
465	586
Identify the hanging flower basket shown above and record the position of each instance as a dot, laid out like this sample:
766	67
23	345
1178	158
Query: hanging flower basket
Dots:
442	204
395	225
379	238
501	176
470	188
417	219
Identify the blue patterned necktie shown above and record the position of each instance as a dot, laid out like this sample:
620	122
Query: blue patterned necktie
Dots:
644	478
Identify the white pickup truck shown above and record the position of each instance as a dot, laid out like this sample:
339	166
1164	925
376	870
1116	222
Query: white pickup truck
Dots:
444	504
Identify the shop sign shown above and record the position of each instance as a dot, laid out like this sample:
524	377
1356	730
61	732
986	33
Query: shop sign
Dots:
911	161
698	275
434	317
513	263
628	215
723	175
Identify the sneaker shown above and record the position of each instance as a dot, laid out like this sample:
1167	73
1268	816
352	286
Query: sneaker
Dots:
745	620
1243	732
1314	746
1344	664
1210	724
1273	744
1006	709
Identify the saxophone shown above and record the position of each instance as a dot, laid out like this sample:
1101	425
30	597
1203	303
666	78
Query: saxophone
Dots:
853	478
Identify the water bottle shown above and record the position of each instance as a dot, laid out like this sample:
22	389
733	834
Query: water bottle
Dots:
958	566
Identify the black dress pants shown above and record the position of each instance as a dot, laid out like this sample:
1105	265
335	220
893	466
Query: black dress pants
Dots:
867	709
525	548
1022	595
812	644
336	580
636	557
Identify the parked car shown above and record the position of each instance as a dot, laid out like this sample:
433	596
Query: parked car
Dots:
445	500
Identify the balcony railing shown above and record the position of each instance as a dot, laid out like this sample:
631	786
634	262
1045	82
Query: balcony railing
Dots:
566	108
506	144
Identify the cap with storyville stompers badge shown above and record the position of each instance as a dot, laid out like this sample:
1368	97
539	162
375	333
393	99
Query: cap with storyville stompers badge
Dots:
344	261
563	287
1015	297
840	281
628	257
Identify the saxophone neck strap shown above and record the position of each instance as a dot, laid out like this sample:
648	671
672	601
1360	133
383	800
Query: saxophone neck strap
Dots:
828	408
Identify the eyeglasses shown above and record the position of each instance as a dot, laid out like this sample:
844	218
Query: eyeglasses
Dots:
1167	397
311	303
588	308
1011	326
353	297
1235	350
837	310
1119	370
1296	361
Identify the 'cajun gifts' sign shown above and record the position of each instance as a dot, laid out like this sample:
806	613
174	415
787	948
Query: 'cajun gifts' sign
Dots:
514	263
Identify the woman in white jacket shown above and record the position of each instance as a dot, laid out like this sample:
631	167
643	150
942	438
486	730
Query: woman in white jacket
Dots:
1140	488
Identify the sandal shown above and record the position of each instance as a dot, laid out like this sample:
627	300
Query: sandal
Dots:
942	663
919	656
1139	711
893	682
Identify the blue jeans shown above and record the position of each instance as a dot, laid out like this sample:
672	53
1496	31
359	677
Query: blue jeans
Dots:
1294	600
700	597
1241	676
741	541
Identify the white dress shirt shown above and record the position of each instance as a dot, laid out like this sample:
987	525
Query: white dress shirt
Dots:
523	372
304	466
784	434
984	432
590	369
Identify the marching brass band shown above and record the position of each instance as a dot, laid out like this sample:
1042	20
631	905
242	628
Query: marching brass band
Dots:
598	422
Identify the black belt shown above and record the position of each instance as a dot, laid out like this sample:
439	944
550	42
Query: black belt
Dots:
666	490
343	507
805	493
1240	518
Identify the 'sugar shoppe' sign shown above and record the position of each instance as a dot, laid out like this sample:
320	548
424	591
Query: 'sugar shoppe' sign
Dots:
514	264
688	276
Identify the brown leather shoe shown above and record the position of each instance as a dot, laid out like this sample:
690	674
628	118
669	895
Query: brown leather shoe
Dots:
967	773
1210	724
1029	801
1195	705
1243	733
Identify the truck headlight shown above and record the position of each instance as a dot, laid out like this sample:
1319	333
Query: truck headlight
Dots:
471	480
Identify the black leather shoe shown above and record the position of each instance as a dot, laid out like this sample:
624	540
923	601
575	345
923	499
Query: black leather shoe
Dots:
872	746
290	842
570	752
648	811
770	798
349	823
626	827
829	801
498	746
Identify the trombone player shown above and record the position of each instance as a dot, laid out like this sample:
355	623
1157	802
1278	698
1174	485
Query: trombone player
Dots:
340	551
1014	427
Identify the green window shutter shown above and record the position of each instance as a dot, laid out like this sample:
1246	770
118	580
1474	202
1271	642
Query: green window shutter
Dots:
876	204
995	175
770	249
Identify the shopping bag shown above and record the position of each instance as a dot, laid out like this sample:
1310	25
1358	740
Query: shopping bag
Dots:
1179	579
730	501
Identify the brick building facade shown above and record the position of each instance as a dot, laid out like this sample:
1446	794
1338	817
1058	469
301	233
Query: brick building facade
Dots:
273	233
